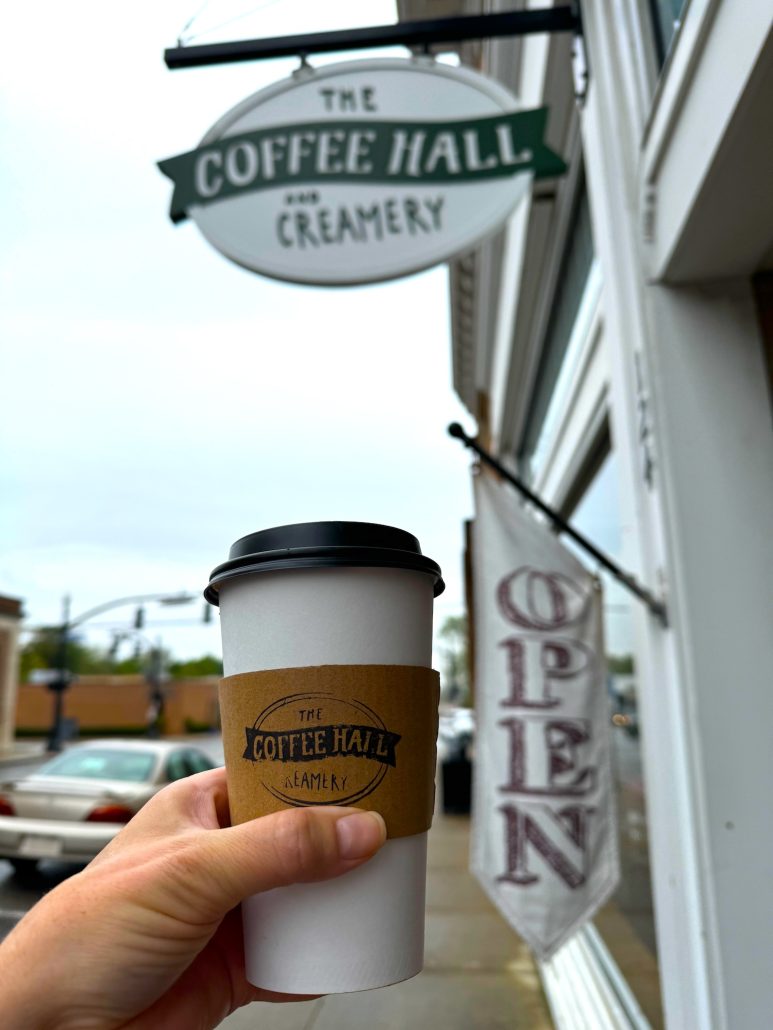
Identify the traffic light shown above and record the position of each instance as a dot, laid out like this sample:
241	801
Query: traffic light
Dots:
207	613
113	651
139	618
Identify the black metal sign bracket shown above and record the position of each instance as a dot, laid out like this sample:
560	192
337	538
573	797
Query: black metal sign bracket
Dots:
565	18
655	605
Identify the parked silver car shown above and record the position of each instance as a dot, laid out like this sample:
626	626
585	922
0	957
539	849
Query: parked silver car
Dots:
71	807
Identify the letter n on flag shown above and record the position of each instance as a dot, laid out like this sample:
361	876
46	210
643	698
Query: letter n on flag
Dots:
544	828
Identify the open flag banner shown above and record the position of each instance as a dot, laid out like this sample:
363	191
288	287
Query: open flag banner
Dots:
544	827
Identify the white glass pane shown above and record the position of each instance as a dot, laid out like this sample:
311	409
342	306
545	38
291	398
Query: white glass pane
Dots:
627	922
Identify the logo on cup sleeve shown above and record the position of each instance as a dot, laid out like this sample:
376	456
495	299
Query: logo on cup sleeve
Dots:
320	749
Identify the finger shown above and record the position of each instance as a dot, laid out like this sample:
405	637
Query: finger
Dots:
181	808
204	799
201	800
295	846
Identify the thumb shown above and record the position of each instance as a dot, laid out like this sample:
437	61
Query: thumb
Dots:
294	846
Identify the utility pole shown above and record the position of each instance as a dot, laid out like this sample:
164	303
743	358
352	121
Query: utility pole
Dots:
62	680
156	677
60	684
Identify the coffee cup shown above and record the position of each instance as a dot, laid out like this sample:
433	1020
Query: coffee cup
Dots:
329	698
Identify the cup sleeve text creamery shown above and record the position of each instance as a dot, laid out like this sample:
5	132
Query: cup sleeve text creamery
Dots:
361	735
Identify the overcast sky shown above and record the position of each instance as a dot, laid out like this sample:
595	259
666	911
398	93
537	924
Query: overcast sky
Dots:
158	401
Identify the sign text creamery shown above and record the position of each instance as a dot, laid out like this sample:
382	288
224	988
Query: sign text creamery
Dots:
392	174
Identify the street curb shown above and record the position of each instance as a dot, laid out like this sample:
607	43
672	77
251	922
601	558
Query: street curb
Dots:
24	758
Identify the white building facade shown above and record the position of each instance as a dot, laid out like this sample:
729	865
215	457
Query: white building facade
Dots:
613	343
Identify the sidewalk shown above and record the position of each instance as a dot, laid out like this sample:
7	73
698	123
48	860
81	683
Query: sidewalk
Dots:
477	972
22	752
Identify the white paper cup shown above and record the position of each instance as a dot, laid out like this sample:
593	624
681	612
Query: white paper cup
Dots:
365	929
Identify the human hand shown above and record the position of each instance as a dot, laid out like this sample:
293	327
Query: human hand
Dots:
148	934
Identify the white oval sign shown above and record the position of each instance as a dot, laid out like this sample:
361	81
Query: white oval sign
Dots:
362	171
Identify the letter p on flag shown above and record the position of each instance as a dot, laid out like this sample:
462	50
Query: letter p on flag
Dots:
544	827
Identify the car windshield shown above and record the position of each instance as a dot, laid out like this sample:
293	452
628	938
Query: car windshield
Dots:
97	764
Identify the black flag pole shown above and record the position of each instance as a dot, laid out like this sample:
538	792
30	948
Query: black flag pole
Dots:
656	606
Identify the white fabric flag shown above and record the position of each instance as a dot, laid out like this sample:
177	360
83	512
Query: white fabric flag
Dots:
544	829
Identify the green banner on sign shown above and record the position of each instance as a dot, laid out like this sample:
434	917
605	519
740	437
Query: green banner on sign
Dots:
362	151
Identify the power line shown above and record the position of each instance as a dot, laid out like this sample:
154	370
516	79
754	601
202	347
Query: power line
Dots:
190	22
222	24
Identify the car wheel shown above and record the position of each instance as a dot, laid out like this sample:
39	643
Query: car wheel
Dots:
26	869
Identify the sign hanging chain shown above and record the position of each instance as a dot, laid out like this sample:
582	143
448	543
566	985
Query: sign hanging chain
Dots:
183	41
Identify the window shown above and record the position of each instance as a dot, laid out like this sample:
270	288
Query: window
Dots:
666	15
626	923
177	766
185	763
198	762
97	764
570	290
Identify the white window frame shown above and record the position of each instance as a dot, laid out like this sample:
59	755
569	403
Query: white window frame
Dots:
692	113
578	405
582	981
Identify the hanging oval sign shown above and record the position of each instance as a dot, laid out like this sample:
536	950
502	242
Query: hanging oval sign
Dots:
361	171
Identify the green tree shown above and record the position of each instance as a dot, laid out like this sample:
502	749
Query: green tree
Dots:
453	644
43	651
620	664
44	648
207	665
132	666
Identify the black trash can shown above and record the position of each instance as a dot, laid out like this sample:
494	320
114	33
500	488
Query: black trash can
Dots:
456	785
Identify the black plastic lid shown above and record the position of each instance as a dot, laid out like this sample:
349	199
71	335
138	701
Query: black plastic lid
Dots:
310	545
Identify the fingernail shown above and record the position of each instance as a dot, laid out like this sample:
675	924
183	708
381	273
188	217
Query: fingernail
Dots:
360	834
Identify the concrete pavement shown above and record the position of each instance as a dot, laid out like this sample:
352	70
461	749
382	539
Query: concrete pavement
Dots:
478	974
16	759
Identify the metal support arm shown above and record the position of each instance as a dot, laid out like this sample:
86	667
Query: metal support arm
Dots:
407	33
655	605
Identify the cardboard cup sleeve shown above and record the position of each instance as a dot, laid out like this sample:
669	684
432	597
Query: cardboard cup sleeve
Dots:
353	735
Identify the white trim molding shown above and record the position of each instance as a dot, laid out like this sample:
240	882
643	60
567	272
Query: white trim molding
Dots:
707	205
586	990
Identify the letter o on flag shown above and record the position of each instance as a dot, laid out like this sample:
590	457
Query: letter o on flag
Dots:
540	600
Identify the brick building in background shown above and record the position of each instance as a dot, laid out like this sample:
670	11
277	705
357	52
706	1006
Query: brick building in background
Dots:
114	704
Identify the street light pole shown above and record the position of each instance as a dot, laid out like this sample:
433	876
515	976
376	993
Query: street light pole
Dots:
59	685
156	677
62	681
165	599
